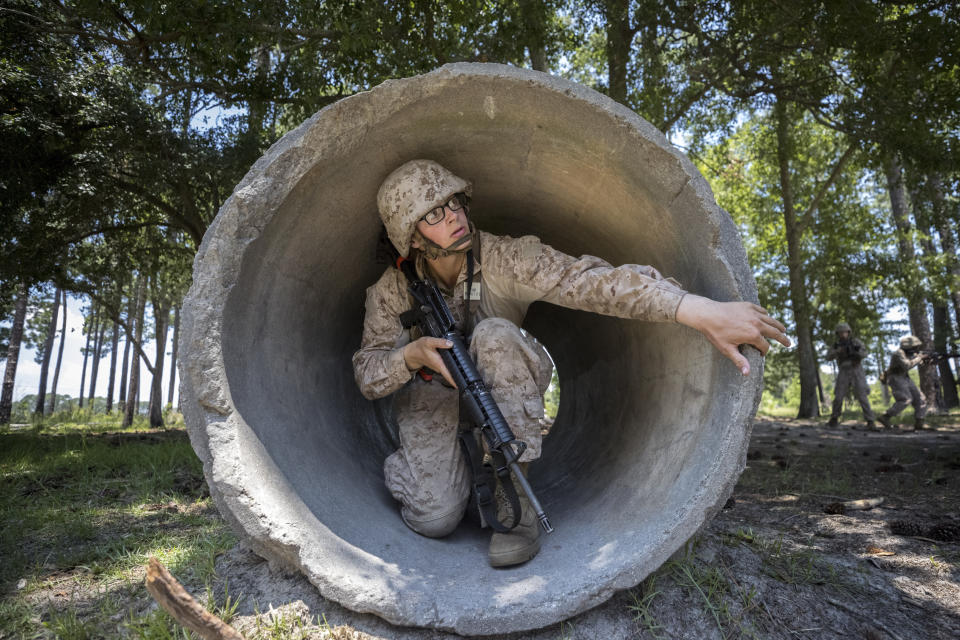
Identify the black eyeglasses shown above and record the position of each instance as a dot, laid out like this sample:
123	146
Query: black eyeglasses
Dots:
437	214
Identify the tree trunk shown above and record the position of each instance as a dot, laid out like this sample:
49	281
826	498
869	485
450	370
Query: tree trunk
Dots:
13	354
56	369
916	301
941	335
823	401
619	37
133	399
114	342
161	315
83	371
38	410
534	15
798	294
947	391
122	395
948	244
97	349
173	354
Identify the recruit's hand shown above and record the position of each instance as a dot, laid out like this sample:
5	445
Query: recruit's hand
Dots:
422	352
729	324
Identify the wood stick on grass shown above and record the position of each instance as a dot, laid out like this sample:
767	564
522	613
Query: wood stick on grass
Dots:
171	595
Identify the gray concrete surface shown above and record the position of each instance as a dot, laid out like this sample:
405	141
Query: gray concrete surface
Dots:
653	424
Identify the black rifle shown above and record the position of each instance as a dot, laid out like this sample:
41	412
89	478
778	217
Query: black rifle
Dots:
939	355
847	350
477	407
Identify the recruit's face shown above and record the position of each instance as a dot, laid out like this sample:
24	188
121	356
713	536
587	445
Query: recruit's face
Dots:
447	231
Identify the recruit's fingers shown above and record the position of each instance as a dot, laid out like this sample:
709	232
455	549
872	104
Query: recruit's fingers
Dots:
738	359
776	333
436	360
760	343
437	343
773	322
441	368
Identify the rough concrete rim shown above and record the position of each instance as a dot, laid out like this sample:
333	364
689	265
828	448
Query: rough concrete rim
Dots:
268	514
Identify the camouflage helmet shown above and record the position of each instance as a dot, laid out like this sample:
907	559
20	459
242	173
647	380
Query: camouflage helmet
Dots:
910	342
410	192
843	326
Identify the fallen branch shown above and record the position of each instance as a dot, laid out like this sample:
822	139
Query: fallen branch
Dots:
171	595
853	505
857	614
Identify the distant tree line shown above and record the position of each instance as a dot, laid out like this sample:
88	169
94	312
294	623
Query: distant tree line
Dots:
828	130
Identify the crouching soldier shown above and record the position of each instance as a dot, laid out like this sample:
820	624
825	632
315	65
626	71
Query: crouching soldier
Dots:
488	282
848	352
902	387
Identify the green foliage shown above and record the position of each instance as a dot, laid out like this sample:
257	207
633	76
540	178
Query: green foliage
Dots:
551	399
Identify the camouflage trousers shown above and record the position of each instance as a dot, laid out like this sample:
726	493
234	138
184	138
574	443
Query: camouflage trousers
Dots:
847	377
905	392
428	474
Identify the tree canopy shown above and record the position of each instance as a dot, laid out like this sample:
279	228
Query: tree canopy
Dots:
124	126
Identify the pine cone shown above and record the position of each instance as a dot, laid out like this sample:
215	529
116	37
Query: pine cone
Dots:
945	532
904	528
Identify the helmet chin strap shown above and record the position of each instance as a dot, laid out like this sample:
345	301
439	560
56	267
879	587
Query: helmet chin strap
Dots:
431	250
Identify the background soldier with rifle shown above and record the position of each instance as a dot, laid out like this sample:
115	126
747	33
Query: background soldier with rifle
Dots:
849	352
904	390
487	283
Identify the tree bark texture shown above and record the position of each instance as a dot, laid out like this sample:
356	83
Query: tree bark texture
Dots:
916	301
619	37
171	595
161	315
941	331
122	394
809	406
947	391
13	354
83	370
948	244
114	342
97	351
47	353
132	404
173	354
56	369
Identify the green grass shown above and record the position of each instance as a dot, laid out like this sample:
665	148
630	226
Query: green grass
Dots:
85	505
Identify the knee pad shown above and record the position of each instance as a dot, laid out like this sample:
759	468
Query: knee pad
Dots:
495	328
434	526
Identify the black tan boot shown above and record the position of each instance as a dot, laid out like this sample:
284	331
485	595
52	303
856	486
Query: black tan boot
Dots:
884	419
918	424
833	422
522	543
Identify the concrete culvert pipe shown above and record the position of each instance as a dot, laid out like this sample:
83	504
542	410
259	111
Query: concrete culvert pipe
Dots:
653	423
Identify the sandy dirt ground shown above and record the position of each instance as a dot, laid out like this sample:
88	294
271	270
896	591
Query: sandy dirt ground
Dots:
781	560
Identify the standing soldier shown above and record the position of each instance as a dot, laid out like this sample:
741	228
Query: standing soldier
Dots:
904	391
848	352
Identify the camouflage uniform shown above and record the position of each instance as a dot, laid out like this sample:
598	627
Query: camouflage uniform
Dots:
427	474
902	387
849	372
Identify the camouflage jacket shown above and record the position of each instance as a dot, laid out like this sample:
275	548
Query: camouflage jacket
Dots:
512	274
901	363
847	355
